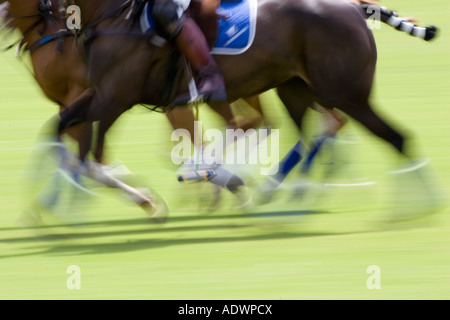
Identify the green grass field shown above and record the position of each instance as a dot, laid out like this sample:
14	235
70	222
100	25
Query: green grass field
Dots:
229	255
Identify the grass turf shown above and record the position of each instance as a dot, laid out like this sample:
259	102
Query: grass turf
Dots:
311	248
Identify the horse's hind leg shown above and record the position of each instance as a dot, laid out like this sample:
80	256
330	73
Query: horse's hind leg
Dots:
416	189
297	97
364	114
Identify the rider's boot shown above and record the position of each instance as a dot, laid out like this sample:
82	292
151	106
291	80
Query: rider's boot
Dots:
210	83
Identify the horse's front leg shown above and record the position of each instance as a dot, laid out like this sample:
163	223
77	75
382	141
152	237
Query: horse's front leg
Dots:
184	118
106	112
76	113
87	109
71	117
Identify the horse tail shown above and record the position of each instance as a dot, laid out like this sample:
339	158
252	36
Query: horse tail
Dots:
401	24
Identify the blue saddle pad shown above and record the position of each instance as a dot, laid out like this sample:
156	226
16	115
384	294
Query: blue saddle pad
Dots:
237	26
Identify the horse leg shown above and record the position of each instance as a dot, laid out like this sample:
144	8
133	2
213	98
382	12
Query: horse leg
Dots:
225	112
104	125
75	93
73	115
414	184
297	97
76	113
255	103
365	115
71	122
183	118
153	204
239	114
334	122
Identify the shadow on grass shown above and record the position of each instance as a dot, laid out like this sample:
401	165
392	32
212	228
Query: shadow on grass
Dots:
179	219
56	241
149	244
146	244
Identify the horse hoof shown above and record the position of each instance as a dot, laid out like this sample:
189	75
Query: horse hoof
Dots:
156	206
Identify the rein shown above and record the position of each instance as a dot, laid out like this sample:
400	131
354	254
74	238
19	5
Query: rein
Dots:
60	35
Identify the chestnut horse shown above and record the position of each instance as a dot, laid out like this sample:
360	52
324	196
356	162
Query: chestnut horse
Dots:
84	97
62	75
310	52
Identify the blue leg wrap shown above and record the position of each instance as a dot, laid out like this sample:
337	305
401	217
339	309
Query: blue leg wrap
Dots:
290	161
314	150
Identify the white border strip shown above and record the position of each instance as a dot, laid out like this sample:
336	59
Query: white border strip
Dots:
253	17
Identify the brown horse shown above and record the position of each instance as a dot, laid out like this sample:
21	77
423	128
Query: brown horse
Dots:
284	60
59	70
66	87
116	115
62	75
319	51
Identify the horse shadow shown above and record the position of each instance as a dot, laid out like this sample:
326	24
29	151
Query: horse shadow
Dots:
62	240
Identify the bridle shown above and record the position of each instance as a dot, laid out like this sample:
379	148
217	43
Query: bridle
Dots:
43	16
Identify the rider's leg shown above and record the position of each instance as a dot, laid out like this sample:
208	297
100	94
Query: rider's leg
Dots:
191	41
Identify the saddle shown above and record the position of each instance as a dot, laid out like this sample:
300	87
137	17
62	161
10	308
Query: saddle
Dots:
229	32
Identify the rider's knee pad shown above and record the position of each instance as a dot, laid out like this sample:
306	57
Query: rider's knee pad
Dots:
168	17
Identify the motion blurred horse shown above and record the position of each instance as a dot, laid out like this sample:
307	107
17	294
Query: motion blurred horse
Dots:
319	52
296	112
61	73
334	120
92	33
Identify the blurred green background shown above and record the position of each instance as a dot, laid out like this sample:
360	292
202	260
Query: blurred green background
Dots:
315	247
